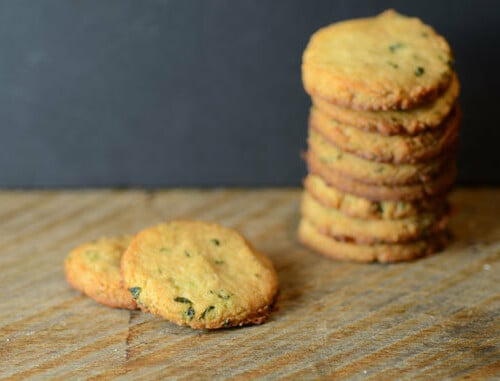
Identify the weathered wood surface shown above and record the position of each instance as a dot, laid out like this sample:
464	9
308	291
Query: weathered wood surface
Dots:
436	318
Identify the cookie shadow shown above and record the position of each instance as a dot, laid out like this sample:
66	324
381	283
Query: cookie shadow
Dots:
475	219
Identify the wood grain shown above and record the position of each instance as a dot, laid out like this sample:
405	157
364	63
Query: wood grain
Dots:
437	317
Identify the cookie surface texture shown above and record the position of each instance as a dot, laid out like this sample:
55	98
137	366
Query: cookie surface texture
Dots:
310	236
392	122
390	149
94	269
372	172
359	207
379	63
199	274
332	222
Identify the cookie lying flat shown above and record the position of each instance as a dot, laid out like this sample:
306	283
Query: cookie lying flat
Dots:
413	121
328	246
94	269
359	207
372	172
332	222
391	149
199	274
380	63
436	187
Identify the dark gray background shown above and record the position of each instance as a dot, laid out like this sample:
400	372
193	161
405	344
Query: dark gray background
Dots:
187	92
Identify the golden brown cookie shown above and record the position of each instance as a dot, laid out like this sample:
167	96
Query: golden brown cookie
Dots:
392	122
379	63
332	222
330	247
199	274
395	148
94	269
437	186
372	172
359	207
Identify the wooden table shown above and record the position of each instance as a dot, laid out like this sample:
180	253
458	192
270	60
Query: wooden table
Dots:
434	318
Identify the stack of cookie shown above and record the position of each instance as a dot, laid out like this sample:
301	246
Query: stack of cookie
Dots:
383	131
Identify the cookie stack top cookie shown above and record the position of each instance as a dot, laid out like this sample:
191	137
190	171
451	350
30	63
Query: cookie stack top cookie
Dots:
388	62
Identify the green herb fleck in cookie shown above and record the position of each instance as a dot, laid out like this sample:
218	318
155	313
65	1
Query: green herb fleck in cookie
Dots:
92	255
419	71
190	313
164	250
207	310
187	253
226	323
216	242
135	291
392	64
394	47
180	299
219	262
223	295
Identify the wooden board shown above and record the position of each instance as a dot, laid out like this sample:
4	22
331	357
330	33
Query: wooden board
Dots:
437	317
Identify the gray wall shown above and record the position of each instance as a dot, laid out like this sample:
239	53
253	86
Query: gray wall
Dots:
192	92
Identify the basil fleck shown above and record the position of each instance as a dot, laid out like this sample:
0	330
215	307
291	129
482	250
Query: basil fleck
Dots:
396	46
164	250
394	65
135	291
207	310
180	299
187	253
419	71
219	262
190	313
216	242
223	295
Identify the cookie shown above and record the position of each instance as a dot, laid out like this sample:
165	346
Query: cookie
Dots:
310	236
394	122
391	149
380	63
435	187
94	269
371	172
199	274
332	222
359	207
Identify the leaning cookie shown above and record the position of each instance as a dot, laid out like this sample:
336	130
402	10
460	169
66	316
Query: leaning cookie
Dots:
94	269
199	274
385	62
311	237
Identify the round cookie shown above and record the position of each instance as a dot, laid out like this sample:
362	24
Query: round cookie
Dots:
391	149
94	269
359	207
199	274
332	222
392	122
379	63
435	187
330	247
372	172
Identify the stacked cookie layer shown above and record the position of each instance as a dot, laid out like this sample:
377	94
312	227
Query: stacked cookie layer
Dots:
383	131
